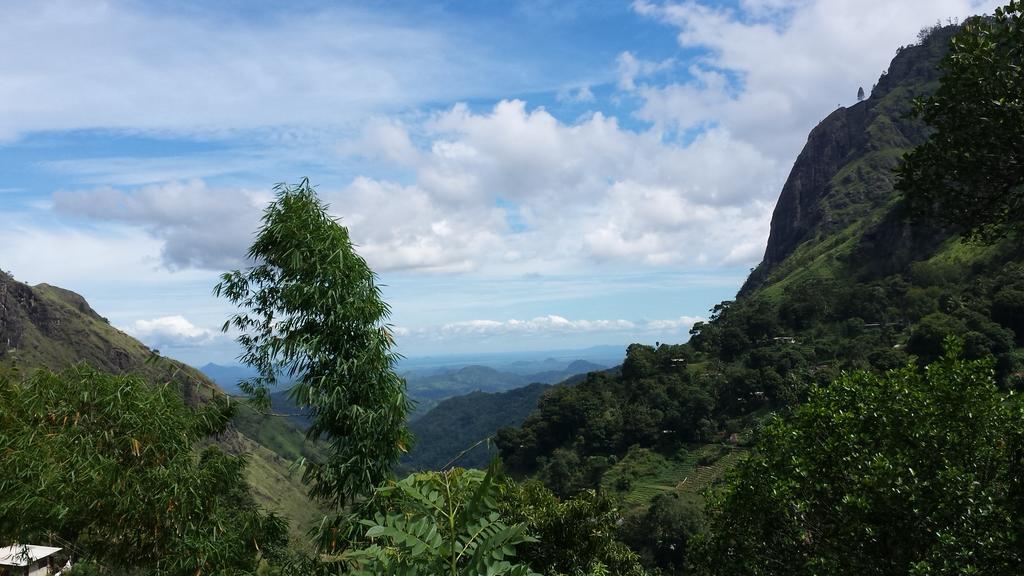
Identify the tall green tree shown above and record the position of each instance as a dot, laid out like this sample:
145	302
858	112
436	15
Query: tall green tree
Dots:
970	171
662	534
109	467
312	310
912	472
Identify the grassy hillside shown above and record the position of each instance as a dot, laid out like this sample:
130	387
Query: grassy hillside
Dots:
644	473
47	326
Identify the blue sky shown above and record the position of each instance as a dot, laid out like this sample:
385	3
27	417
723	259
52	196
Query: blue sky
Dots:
523	175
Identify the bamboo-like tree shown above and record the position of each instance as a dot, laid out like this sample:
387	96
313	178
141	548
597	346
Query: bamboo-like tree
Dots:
107	467
311	310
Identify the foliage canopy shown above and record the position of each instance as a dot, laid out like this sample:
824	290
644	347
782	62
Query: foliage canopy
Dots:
576	536
970	171
440	523
914	472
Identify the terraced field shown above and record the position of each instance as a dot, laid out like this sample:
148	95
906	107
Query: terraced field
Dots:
704	477
643	474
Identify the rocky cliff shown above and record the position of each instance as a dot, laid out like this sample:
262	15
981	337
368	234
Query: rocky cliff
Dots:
845	171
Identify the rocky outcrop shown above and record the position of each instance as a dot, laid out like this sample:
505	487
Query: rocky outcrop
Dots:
810	205
72	299
13	297
799	211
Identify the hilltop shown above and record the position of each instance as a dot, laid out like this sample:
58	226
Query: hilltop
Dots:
47	326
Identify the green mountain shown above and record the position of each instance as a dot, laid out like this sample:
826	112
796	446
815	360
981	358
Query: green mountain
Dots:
428	390
448	419
45	326
839	195
459	426
458	423
847	282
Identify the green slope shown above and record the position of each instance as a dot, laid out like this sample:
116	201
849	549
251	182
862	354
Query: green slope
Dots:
46	326
457	424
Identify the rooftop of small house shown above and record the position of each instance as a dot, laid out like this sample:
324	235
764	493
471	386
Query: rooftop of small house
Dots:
24	554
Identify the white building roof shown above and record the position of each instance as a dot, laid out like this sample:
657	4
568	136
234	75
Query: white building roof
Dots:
23	555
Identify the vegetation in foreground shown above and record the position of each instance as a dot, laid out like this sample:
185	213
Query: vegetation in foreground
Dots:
913	471
112	469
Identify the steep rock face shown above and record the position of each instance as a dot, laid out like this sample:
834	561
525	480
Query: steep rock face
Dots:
799	211
13	297
844	173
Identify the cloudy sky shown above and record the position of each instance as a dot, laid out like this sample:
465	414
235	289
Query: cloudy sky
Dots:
541	174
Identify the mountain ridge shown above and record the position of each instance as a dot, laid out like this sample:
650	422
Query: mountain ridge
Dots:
48	326
45	326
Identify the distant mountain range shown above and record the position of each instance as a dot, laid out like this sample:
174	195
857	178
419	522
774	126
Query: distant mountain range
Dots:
515	362
428	386
228	377
428	390
455	425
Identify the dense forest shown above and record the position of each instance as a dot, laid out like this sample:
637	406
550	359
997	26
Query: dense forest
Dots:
854	410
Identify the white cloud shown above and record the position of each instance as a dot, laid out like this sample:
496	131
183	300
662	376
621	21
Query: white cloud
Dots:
126	65
772	69
685	106
683	323
172	332
66	256
632	68
769	8
383	139
136	171
199	227
548	325
403	228
578	94
514	189
517	185
507	189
